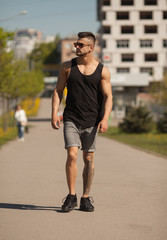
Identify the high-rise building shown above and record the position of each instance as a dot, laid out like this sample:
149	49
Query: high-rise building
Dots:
24	42
134	36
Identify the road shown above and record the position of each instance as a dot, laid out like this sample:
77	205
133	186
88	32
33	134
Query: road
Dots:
129	190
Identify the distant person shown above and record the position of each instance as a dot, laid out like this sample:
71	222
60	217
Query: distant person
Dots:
89	88
21	122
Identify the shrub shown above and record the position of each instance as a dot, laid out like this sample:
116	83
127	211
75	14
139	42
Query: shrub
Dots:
162	124
138	120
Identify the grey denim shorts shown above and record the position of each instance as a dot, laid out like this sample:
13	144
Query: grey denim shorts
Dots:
74	136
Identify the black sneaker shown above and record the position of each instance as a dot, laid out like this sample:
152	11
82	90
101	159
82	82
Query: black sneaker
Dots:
69	203
86	204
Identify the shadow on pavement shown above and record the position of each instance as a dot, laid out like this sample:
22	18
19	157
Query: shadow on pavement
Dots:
28	207
39	119
31	207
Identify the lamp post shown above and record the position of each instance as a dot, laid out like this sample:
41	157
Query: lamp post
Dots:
20	14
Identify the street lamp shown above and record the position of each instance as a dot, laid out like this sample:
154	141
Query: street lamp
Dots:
6	19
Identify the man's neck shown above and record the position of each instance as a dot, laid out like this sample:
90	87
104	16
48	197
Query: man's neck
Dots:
85	60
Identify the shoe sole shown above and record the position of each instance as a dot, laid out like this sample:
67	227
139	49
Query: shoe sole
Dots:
86	210
69	210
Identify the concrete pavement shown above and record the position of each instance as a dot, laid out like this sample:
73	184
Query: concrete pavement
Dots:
129	190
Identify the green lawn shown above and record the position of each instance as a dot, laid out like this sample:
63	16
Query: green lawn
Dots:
8	135
154	142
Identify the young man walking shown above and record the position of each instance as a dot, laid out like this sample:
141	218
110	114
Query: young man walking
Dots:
88	106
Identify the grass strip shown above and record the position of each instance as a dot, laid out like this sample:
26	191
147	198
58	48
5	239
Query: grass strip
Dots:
154	142
9	135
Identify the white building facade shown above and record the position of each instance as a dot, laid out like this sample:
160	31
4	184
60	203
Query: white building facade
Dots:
134	36
24	42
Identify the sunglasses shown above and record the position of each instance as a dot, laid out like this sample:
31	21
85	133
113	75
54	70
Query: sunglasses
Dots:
80	45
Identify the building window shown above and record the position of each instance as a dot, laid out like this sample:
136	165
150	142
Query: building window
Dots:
127	57
147	70
164	70
127	29
164	14
106	2
106	29
146	15
103	43
123	70
150	29
122	15
151	57
122	43
145	43
165	43
127	2
150	2
103	15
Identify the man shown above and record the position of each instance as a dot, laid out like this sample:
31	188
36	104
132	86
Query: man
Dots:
89	90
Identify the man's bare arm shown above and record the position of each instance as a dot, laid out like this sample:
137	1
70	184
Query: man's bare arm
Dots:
57	94
108	102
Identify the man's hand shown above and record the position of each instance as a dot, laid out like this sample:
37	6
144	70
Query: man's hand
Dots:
56	124
103	126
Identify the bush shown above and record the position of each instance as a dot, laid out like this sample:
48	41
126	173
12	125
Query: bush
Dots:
162	124
138	120
31	106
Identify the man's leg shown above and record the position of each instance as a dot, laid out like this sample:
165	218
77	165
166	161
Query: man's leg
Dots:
88	172
71	168
71	174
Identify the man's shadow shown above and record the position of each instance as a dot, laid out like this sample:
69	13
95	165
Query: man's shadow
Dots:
29	207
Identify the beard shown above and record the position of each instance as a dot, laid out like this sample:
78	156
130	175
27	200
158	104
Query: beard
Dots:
81	54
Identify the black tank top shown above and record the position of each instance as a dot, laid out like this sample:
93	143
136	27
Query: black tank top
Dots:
84	98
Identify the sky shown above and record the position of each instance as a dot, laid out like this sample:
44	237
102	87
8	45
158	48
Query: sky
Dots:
63	17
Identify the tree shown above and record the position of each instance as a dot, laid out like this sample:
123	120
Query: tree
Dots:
4	37
138	120
34	83
162	124
5	59
16	81
45	53
159	91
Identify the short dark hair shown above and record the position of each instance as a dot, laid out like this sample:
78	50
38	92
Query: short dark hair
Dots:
87	35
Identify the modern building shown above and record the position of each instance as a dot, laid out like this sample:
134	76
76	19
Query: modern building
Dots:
24	42
134	47
134	36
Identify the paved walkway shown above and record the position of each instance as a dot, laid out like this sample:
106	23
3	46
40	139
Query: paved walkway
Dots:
129	190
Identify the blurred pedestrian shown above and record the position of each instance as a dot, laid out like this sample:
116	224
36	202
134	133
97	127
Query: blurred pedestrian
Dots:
89	92
21	122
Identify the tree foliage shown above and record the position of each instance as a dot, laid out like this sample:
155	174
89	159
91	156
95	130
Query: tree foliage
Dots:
162	124
45	53
138	120
16	81
159	91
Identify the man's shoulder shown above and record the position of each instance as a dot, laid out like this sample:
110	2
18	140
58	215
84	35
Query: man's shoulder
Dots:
105	72
66	65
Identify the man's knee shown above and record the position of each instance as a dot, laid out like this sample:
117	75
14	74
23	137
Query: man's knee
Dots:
88	157
72	154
